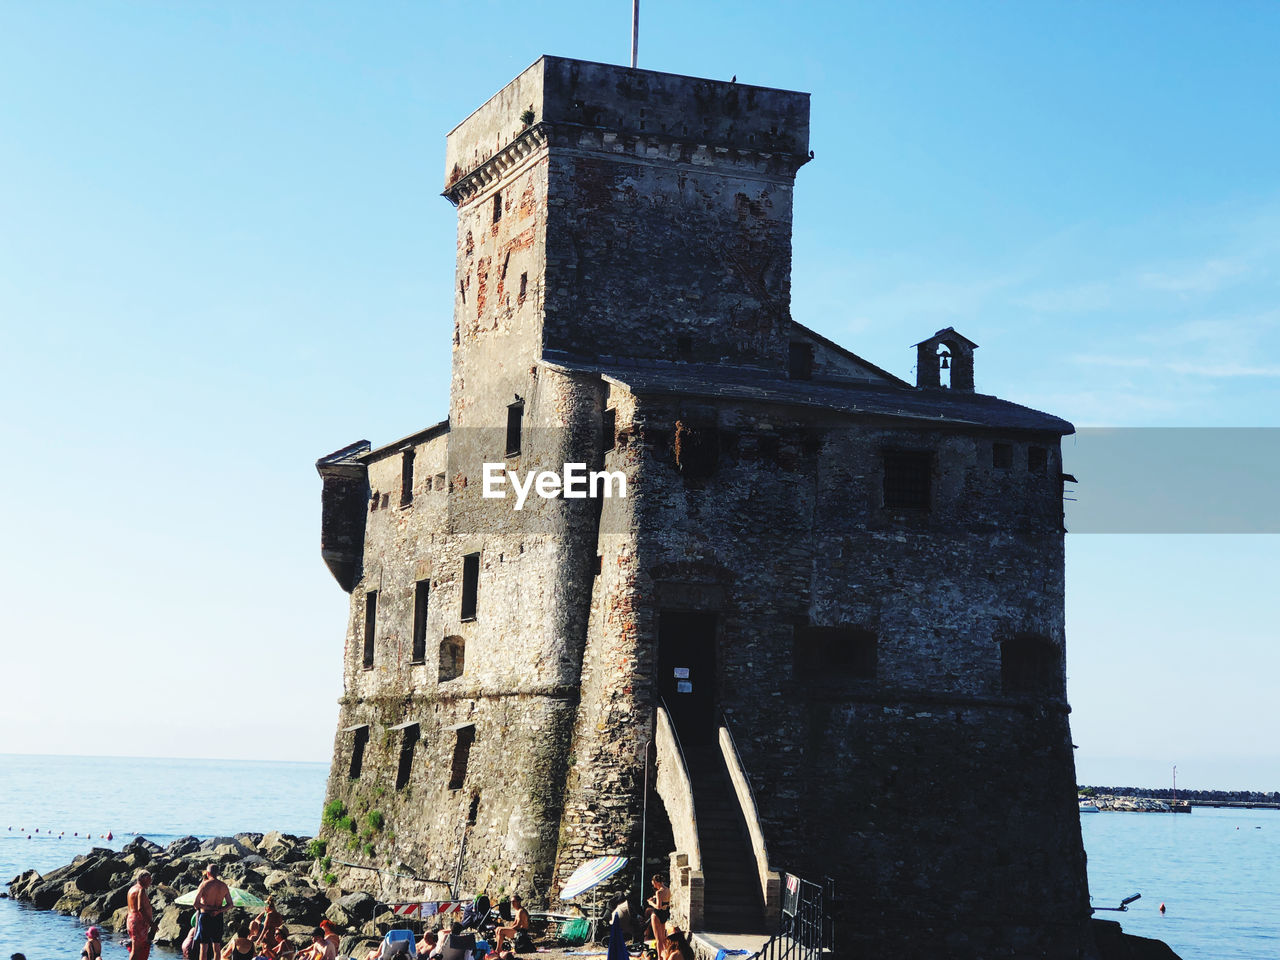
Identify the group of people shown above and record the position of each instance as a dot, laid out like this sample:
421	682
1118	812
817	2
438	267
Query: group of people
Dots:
267	938
670	942
459	940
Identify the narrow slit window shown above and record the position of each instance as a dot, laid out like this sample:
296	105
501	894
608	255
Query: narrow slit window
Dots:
497	207
515	428
421	599
461	756
609	430
907	480
473	811
359	740
470	585
524	285
407	746
370	626
406	478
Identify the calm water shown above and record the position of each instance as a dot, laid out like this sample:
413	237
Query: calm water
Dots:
160	799
1216	871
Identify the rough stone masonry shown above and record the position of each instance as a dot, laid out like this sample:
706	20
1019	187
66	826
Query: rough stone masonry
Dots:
829	608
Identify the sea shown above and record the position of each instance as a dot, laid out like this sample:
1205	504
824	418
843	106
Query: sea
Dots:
1216	871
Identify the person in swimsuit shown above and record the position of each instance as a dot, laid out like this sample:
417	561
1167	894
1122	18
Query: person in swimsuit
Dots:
92	949
141	917
269	922
659	905
519	922
331	935
241	946
213	899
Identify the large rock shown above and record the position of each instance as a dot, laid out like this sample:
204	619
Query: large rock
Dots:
174	924
221	846
45	894
119	920
337	916
276	879
358	904
182	846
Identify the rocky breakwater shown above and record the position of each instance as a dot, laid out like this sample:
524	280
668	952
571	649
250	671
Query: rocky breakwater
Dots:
1105	801
94	885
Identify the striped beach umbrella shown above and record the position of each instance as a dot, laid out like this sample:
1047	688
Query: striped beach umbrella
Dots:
591	873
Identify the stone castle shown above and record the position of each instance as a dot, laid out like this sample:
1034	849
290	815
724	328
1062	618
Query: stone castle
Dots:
821	628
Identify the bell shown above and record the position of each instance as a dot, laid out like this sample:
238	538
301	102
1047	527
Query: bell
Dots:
945	364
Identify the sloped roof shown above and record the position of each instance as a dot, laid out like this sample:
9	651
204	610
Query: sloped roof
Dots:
930	406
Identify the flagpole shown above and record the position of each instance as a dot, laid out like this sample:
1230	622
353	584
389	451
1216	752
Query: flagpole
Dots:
635	31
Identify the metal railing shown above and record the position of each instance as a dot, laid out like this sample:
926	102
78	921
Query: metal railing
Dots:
807	930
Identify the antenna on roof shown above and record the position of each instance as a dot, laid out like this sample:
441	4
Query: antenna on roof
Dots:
635	31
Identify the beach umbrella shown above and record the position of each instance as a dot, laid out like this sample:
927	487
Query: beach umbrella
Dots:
240	898
590	874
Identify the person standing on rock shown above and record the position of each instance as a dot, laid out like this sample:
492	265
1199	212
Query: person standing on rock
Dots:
140	918
213	899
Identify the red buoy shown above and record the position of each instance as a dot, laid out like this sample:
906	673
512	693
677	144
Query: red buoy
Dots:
1162	908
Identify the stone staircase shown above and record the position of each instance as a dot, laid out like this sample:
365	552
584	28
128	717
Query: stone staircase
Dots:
732	899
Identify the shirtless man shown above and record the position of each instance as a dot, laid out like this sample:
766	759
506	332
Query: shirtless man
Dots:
140	917
519	921
213	899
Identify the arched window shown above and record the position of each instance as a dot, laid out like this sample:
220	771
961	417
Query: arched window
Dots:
1030	664
452	658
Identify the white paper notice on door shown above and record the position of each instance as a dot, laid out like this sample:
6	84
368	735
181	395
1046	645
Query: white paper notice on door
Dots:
684	686
681	673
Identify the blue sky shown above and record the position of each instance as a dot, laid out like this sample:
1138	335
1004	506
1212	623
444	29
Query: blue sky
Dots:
223	254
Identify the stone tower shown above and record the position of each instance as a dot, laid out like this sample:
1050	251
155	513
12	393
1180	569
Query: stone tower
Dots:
825	619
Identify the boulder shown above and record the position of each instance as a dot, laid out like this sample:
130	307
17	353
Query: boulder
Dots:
221	846
276	879
182	846
44	894
20	886
358	904
117	898
119	920
70	903
175	921
251	840
337	916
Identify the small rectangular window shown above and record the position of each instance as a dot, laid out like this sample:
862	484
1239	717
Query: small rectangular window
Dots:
907	480
461	756
359	741
1002	455
439	483
515	427
800	361
524	285
407	746
370	626
421	597
497	207
406	478
1037	459
470	585
609	429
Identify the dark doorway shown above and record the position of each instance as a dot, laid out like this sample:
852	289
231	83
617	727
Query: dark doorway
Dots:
687	673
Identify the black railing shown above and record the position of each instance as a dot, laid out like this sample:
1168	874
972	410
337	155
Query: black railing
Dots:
807	931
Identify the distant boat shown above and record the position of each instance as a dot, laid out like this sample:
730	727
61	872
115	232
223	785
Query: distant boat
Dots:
1088	806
